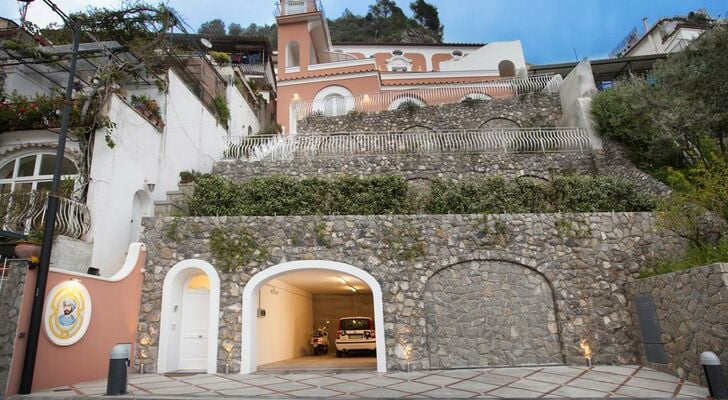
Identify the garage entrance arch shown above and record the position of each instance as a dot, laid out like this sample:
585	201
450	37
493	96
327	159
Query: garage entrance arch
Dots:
249	360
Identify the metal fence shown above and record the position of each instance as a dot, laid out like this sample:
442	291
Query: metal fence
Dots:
23	211
311	146
427	95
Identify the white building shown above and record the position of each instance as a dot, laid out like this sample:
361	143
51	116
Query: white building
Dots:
131	166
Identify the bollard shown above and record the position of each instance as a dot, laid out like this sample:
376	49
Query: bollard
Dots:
118	365
714	375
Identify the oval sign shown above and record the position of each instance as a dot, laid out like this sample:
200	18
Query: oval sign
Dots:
67	313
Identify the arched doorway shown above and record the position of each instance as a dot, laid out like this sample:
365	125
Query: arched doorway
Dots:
141	207
252	297
490	313
189	318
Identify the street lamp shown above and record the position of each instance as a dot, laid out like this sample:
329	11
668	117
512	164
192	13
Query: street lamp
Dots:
36	315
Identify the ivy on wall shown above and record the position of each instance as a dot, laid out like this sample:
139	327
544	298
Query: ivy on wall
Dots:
235	247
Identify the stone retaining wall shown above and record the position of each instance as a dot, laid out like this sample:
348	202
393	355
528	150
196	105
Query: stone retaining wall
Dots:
11	298
530	110
613	161
426	166
692	311
585	258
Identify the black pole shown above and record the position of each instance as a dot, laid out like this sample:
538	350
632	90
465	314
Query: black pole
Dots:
36	315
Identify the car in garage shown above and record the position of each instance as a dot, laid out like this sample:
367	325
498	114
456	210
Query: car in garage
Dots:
355	334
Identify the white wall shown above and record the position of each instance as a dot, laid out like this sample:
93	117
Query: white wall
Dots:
29	83
192	139
653	43
488	57
285	331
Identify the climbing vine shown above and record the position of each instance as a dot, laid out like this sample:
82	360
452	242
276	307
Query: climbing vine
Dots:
235	247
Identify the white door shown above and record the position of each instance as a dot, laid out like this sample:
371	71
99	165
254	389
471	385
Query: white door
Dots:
195	319
136	219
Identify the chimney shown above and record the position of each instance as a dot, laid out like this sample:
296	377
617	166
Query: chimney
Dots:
646	24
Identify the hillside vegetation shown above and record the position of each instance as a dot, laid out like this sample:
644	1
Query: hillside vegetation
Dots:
385	22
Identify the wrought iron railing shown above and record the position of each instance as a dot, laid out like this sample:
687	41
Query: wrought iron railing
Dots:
24	211
437	95
292	7
311	146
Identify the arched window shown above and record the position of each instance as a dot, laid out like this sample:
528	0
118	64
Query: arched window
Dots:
507	69
292	54
333	101
33	172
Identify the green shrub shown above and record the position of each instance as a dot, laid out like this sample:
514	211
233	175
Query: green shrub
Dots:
697	256
222	110
389	194
282	195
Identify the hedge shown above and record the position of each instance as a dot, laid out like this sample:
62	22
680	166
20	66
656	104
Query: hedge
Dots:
390	194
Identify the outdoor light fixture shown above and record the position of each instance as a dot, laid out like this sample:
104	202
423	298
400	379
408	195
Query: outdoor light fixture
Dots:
296	97
587	352
150	185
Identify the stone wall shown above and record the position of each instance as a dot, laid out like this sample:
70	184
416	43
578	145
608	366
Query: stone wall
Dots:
332	307
530	110
692	311
430	166
613	161
586	259
490	313
11	298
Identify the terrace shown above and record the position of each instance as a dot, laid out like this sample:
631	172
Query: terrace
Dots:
315	146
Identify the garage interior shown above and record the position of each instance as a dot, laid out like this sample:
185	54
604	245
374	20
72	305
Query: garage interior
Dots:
297	302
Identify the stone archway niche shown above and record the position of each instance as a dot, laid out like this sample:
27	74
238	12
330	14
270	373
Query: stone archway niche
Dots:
490	313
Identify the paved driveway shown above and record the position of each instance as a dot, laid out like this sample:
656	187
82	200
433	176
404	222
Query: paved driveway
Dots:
552	382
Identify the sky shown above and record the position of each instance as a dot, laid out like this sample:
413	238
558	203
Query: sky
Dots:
551	31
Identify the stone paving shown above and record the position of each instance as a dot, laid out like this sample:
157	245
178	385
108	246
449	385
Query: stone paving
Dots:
536	382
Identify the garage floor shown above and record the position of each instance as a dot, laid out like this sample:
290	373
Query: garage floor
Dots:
327	362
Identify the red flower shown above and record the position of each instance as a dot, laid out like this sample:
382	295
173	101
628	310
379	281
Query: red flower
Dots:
33	106
21	110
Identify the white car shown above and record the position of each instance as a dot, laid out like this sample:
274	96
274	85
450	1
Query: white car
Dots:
355	333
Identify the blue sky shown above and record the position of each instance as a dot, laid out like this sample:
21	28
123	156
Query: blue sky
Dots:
550	30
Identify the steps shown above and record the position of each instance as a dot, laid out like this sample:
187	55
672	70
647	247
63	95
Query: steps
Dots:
176	202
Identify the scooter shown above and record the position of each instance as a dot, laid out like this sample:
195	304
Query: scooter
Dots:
320	341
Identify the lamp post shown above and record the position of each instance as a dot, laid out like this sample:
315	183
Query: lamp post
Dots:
36	316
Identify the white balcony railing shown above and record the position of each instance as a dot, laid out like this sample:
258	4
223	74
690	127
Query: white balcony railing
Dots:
23	211
519	140
293	7
252	69
429	95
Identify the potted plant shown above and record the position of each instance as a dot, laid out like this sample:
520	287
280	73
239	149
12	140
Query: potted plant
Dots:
31	246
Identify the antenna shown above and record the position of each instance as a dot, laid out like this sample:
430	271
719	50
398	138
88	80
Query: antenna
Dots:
206	43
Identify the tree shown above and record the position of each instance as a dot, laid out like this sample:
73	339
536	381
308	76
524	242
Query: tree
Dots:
235	29
683	105
214	27
385	9
427	16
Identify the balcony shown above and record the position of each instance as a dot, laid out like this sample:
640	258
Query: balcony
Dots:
325	57
293	7
23	211
310	147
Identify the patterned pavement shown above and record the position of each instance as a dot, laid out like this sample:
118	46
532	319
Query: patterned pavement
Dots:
536	382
